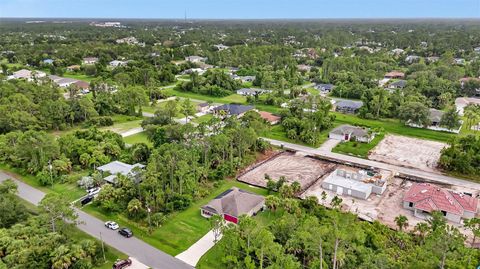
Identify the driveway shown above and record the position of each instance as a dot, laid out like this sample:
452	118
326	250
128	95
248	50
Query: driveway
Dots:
193	254
329	145
133	247
132	131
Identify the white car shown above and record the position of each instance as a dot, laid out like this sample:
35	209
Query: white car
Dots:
111	225
93	191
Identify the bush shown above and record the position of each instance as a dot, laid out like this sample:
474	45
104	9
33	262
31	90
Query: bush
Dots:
100	121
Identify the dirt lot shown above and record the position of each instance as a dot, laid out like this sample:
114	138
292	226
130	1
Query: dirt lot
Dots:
294	167
408	152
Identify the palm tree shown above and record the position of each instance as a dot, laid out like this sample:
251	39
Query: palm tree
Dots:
272	202
401	221
421	229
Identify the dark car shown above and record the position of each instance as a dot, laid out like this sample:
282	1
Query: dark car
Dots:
125	232
86	200
119	264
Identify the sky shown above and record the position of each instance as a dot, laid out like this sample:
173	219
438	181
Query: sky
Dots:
240	9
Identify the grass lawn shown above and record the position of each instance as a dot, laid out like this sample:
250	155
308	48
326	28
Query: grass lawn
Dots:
278	133
78	76
233	98
181	230
137	138
122	123
213	258
68	190
358	149
203	118
394	126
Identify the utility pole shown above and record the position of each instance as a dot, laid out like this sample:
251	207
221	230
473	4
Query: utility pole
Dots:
149	222
103	248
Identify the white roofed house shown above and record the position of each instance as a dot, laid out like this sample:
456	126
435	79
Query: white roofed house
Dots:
117	63
110	171
90	60
195	59
27	75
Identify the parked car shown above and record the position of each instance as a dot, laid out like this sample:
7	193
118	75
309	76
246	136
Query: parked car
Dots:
93	191
111	225
86	200
119	264
125	232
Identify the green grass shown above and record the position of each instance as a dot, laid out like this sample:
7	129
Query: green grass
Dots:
68	190
394	126
358	149
78	76
233	98
137	138
213	258
181	230
123	123
202	119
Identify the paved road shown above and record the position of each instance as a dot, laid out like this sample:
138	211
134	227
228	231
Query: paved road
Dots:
434	177
133	247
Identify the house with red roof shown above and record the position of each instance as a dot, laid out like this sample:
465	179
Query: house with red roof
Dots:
424	198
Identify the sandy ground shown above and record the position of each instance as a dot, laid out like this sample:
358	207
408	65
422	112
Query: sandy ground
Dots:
294	167
408	152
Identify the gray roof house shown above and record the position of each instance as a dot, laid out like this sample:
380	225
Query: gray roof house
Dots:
116	167
435	116
324	87
251	91
348	106
232	109
232	204
399	84
348	132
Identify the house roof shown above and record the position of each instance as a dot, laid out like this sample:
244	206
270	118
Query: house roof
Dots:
324	86
349	104
428	197
82	84
399	83
90	59
234	202
23	73
269	116
233	109
435	115
117	167
349	129
251	90
395	74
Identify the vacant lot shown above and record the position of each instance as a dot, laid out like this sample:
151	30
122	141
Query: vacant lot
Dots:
408	152
304	170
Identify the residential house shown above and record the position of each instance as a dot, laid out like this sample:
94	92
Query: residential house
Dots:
203	107
232	110
304	68
90	60
394	75
412	59
251	91
348	106
348	132
221	47
269	117
232	204
48	61
432	59
467	79
83	86
463	102
424	198
243	79
397	51
117	63
459	61
128	40
27	75
435	117
110	171
195	59
476	50
199	71
74	67
324	88
62	82
356	183
399	84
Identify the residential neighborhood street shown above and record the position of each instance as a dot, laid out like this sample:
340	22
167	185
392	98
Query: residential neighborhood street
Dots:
133	247
429	176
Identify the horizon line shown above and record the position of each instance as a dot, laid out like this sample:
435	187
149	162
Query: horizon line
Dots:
247	19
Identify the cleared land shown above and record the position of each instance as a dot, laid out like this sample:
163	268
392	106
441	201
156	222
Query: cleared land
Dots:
408	152
304	170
